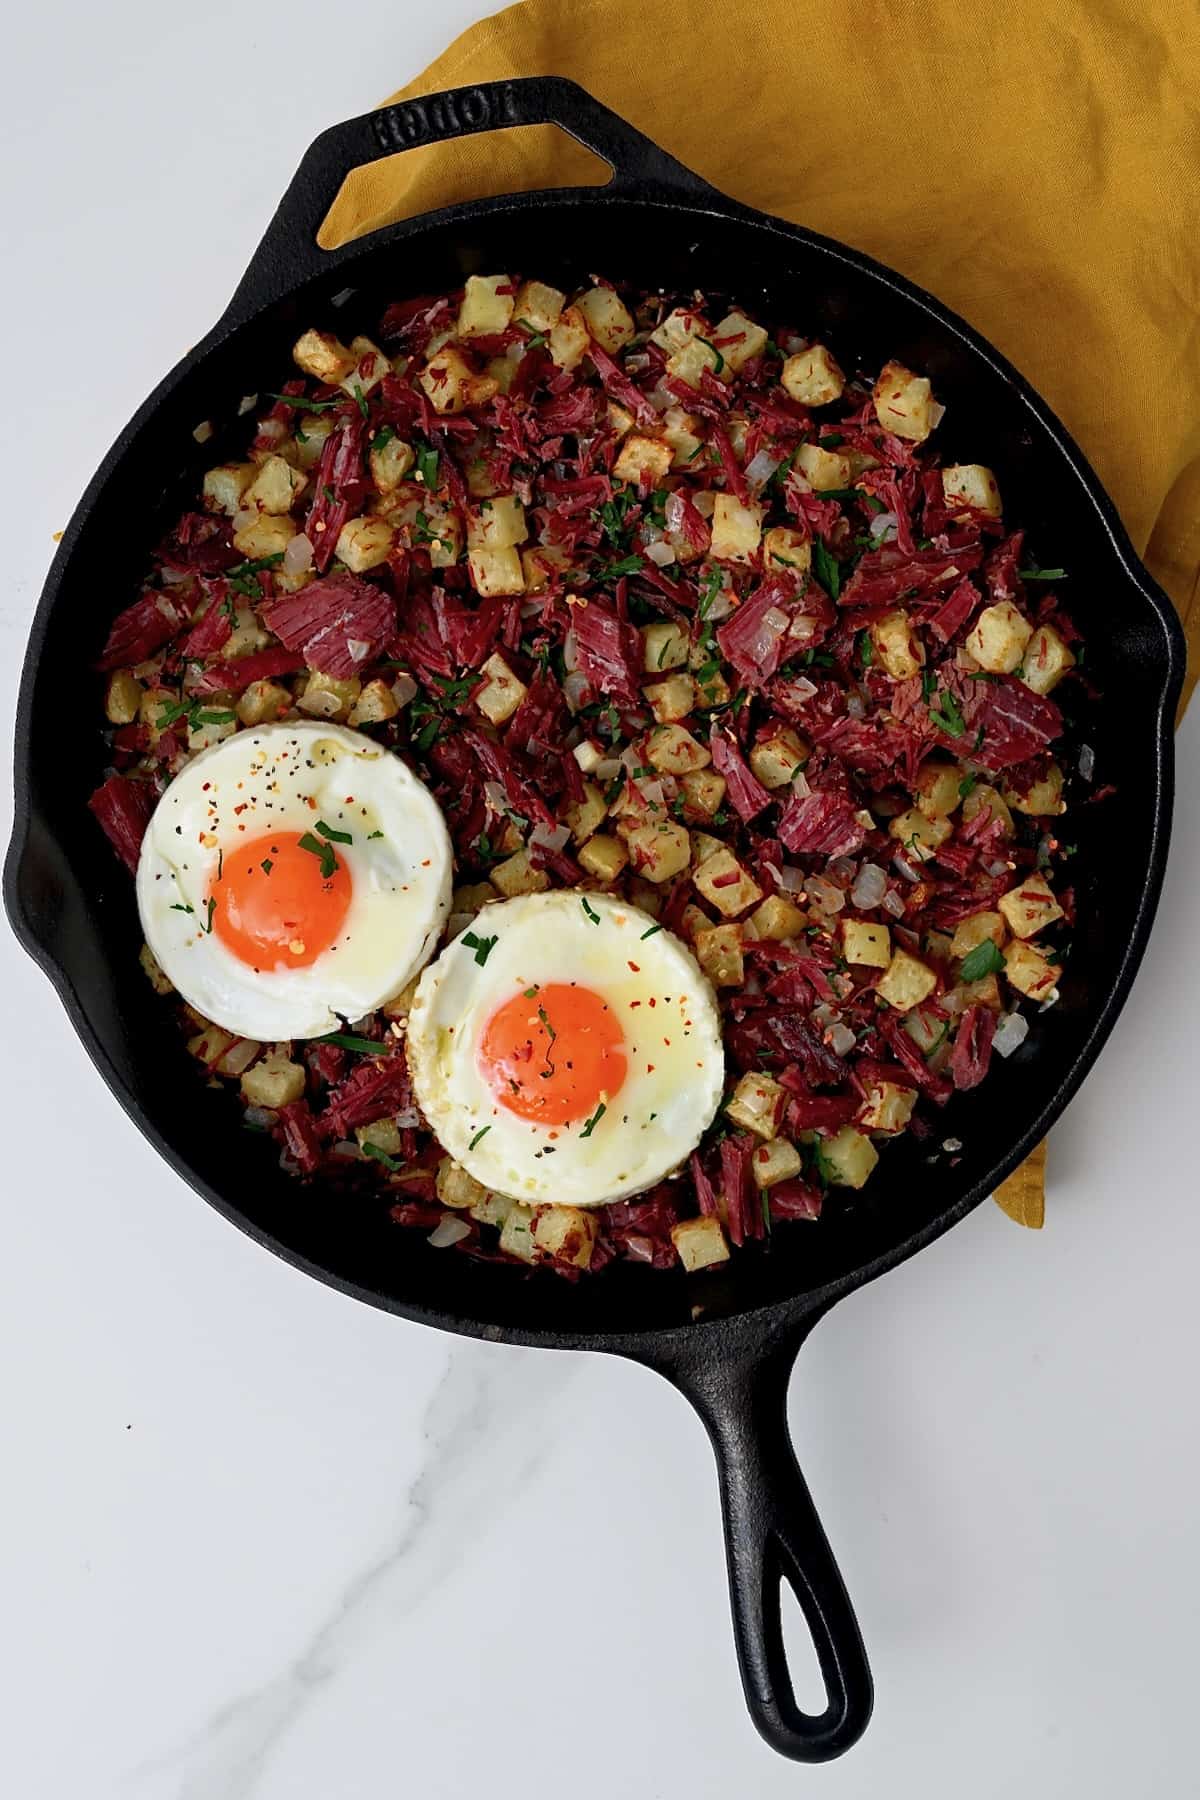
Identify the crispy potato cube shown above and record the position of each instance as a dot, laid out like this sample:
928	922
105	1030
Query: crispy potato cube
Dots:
211	1044
691	920
1042	798
150	711
672	699
658	851
323	356
917	835
516	1234
122	697
778	918
701	791
664	646
517	875
154	972
758	1102
213	731
370	367
273	1082
499	524
311	431
565	1233
677	329
589	754
736	529
502	369
699	1243
784	548
746	340
263	702
869	946
603	857
712	687
719	953
822	469
502	693
985	992
364	543
485	310
775	760
1046	660
224	486
329	697
390	464
496	571
679	429
848	1157
970	933
998	638
906	981
606	317
452	383
275	487
620	418
692	358
540	565
569	339
267	535
245	636
642	459
973	486
538	305
725	884
812	377
904	403
375	704
898	650
493	1209
1030	906
455	1187
704	846
889	1107
777	1161
984	796
674	750
1029	970
381	1134
586	816
937	794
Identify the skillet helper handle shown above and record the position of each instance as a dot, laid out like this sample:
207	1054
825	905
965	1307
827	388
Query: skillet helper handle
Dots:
289	253
772	1535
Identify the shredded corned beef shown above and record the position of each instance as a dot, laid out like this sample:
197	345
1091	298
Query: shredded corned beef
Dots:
152	621
371	1091
747	795
972	1050
123	806
609	653
338	624
262	665
821	824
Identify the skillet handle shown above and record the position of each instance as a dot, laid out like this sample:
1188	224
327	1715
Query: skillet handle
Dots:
773	1534
289	253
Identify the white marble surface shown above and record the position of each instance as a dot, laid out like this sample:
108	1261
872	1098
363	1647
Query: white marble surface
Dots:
260	1542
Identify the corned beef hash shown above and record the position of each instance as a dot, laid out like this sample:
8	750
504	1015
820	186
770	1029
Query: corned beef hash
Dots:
589	772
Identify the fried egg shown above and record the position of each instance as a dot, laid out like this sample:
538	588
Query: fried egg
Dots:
293	876
566	1049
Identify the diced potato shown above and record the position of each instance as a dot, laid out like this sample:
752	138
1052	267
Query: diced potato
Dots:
603	857
210	1044
311	431
496	571
736	529
658	851
150	710
122	698
275	487
224	486
154	972
664	646
493	1209
364	543
677	329
328	696
776	759
498	524
985	992
455	1187
1030	906
679	429
822	469
937	792
897	648
973	486
565	1233
266	535
689	362
375	704
620	418
642	459
516	1234
1030	970
438	527
569	339
719	953
758	1102
674	750
904	402
777	1161
926	1028
748	340
868	946
982	797
691	920
380	1134
812	377
517	875
586	816
452	383
1042	798
540	566
998	637
704	846
917	835
1046	660
263	702
699	1243
672	699
391	463
588	754
906	981
211	731
710	682
848	1157
246	635
502	692
889	1107
323	356
606	317
725	884
778	918
538	305
970	933
370	367
485	310
701	791
273	1082
784	548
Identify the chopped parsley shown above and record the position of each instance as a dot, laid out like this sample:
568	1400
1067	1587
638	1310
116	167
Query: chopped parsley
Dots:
266	865
866	650
827	569
179	907
591	912
967	786
312	406
348	1040
427	465
627	565
212	907
383	437
482	947
380	1156
595	1119
479	1136
946	716
651	932
531	993
536	338
360	400
720	362
710	587
318	848
336	837
373	834
984	959
1043	575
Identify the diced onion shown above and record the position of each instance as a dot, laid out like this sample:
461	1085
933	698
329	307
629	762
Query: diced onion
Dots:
803	689
937	413
447	1232
903	867
549	837
870	886
495	796
824	895
404	688
856	707
1011	1033
570	651
661	553
607	770
345	1149
575	689
951	1145
359	648
407	1119
1087	762
298	556
893	904
843	870
997	866
800	783
260	1116
884	527
841	1040
203	431
760	469
791	880
246	404
722	605
245	515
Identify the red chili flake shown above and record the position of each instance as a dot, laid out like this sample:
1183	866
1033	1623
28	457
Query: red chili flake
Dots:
637	971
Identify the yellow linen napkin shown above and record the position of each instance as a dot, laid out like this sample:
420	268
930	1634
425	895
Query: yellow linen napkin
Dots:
1041	176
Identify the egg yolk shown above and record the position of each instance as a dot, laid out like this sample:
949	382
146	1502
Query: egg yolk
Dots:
553	1054
275	903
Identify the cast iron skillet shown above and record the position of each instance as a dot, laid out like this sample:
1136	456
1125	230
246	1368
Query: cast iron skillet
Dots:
726	1339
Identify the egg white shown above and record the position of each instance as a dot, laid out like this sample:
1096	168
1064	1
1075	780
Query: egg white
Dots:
676	1066
267	779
